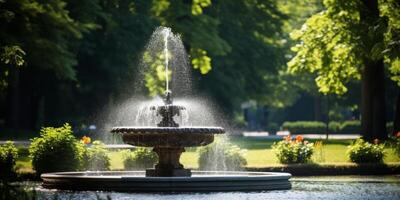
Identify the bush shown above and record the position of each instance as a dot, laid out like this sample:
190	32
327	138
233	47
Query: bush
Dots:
290	151
350	127
96	158
221	155
56	150
8	157
365	152
305	127
394	142
140	158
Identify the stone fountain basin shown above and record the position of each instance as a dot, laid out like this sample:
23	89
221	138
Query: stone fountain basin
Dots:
135	181
168	136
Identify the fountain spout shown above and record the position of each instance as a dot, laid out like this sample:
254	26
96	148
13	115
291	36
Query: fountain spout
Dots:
168	97
168	111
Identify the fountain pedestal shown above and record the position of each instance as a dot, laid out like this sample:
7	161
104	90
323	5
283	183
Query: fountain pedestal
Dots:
168	163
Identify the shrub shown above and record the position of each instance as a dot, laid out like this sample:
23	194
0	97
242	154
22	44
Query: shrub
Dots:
140	158
221	155
394	142
305	127
96	158
56	150
364	152
8	157
291	151
350	127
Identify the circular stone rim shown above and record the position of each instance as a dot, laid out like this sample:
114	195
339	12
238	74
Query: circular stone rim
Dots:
201	181
169	130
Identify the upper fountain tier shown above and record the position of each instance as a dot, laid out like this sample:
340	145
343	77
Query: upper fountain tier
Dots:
168	133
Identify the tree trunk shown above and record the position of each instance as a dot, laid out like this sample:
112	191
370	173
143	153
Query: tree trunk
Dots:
317	108
396	122
373	120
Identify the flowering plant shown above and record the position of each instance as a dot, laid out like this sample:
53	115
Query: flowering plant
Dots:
86	140
290	151
394	142
364	152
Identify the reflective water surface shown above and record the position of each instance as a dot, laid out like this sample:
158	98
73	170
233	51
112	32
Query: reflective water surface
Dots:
333	187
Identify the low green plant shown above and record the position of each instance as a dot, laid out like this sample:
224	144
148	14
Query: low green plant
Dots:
305	127
56	150
364	152
350	127
8	157
290	151
334	127
221	155
394	143
96	157
140	158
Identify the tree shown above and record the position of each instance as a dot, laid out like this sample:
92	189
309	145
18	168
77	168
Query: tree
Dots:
47	35
350	40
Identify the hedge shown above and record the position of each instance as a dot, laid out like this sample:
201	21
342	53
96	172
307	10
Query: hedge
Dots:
316	127
305	127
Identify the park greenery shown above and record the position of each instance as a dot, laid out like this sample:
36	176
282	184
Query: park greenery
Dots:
221	156
56	150
140	158
290	151
364	152
8	158
66	60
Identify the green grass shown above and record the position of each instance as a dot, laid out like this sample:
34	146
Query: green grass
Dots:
259	154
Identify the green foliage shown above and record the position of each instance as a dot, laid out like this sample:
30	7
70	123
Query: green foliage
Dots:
335	43
315	127
198	5
140	158
365	152
390	48
293	151
8	157
200	60
56	150
96	158
305	127
13	55
350	127
334	127
394	143
221	156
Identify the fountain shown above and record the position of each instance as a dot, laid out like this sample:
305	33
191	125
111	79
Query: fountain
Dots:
168	140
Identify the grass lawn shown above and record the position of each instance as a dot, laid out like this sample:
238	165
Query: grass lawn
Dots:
259	154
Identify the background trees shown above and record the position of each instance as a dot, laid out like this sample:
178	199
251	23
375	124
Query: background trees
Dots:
64	60
351	40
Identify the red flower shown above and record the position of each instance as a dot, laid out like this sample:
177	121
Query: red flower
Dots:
398	134
299	138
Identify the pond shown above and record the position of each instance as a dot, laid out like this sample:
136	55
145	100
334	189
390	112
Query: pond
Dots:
329	187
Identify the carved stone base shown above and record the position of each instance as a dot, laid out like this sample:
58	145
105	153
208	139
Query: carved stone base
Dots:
168	163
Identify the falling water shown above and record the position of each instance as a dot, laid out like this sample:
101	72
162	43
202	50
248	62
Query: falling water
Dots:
166	34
